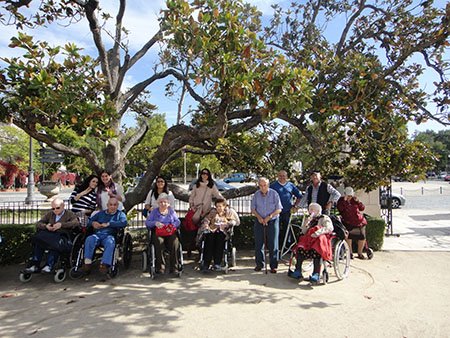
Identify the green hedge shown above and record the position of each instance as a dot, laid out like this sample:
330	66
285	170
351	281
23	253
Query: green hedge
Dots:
15	246
375	230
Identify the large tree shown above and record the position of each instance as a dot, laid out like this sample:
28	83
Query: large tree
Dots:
232	76
367	58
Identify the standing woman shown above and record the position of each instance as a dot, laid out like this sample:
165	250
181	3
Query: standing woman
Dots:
107	189
202	194
84	197
159	187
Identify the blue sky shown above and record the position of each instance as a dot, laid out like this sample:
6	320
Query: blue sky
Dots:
141	21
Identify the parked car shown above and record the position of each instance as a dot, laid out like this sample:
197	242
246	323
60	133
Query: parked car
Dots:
221	185
397	200
236	177
447	178
442	175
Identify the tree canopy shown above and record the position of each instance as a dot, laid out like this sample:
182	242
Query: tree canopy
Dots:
347	97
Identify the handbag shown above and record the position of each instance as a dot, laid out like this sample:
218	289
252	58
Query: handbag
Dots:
188	223
165	231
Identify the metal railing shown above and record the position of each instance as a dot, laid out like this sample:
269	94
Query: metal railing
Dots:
18	212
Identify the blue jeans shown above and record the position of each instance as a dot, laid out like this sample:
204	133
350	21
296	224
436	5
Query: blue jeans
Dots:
107	241
38	252
272	230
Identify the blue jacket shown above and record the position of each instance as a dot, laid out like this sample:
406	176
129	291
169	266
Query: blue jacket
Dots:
116	221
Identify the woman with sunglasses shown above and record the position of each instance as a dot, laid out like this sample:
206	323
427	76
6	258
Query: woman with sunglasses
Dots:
107	188
160	186
202	195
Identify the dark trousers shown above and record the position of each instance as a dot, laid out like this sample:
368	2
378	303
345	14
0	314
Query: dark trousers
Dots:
169	243
285	217
271	230
214	246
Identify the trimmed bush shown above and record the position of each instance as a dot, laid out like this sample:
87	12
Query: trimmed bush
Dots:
16	242
375	230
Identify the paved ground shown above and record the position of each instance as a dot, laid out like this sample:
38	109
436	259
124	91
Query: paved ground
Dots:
402	292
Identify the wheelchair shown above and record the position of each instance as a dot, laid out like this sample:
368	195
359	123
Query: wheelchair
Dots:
123	253
149	257
62	265
340	260
229	253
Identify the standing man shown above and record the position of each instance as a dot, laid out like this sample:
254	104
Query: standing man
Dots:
321	193
286	190
266	206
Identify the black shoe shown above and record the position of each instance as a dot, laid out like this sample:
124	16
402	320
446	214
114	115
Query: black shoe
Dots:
258	268
273	270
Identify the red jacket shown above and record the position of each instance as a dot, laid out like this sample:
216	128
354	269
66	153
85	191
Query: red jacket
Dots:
351	212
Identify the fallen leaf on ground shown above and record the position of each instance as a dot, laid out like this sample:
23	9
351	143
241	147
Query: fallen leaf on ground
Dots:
368	297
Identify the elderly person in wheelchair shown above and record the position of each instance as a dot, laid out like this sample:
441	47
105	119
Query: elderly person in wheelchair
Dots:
216	228
165	223
105	224
314	243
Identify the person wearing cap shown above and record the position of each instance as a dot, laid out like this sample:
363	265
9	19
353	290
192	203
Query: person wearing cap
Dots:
350	209
286	190
320	192
162	217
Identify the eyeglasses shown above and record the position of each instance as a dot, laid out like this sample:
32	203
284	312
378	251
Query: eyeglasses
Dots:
57	208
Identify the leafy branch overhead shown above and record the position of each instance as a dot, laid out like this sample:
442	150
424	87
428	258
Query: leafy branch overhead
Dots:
330	83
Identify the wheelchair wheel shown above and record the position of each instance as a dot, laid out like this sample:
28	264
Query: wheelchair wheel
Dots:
341	259
233	257
325	276
127	251
60	275
369	253
75	272
113	271
144	261
76	253
152	261
25	277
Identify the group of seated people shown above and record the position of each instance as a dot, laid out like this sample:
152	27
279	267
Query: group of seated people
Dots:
99	200
96	203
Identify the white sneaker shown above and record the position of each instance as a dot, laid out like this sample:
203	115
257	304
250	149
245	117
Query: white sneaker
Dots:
32	269
217	267
46	269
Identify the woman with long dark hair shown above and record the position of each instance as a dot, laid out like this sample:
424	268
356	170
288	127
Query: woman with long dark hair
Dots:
202	195
158	187
84	197
107	188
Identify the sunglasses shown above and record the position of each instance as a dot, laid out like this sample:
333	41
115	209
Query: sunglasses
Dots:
159	181
57	208
205	173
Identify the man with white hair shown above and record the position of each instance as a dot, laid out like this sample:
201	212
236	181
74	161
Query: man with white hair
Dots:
266	206
51	229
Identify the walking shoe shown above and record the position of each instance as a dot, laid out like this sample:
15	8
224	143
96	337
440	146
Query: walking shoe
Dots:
273	270
217	267
296	274
32	269
257	268
46	269
103	269
86	268
204	268
314	278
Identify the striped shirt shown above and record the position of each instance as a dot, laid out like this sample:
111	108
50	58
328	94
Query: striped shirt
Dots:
86	203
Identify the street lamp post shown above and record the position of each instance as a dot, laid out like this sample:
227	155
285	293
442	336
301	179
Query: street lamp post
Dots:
30	186
197	166
184	159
